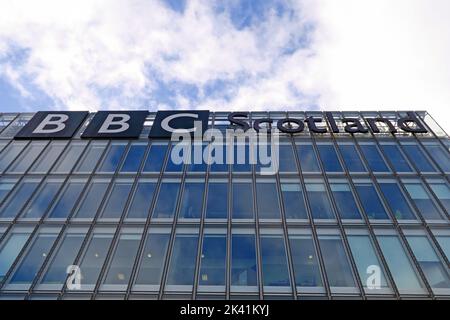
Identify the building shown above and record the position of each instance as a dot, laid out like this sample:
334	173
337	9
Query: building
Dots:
360	215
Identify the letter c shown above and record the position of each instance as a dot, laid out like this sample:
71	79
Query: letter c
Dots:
165	124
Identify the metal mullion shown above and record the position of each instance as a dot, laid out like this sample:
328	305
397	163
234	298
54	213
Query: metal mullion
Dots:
16	157
229	223
11	122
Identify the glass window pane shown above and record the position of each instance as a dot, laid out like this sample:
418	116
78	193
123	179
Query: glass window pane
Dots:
433	268
370	201
329	158
70	157
155	158
167	200
345	201
28	157
307	158
67	199
336	262
117	200
91	157
374	158
121	265
440	156
10	249
10	153
171	166
417	157
396	158
134	158
287	159
399	264
444	242
217	203
43	199
267	200
274	263
423	201
142	199
182	263
304	259
241	161
213	260
196	163
243	260
442	192
318	201
49	157
242	201
92	199
397	201
153	257
192	201
6	185
351	158
294	204
112	158
222	165
18	198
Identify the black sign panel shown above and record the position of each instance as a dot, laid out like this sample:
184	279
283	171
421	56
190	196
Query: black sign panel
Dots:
166	122
52	125
116	124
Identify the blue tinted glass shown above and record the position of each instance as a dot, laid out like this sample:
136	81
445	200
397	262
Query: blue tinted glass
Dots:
49	157
197	164
155	158
192	203
91	157
267	199
371	201
423	201
5	188
28	157
142	199
36	255
444	242
134	158
67	201
294	204
374	158
397	201
222	165
274	264
287	159
217	204
318	201
70	157
440	155
243	260
182	263
42	201
18	199
242	159
351	158
92	199
117	200
171	166
242	201
442	192
112	158
345	201
307	158
213	260
396	158
94	258
150	270
329	158
9	250
10	153
167	200
304	259
417	157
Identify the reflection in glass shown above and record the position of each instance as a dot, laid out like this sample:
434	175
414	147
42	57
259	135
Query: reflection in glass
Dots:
10	249
294	204
66	163
217	203
444	242
307	158
371	201
242	201
48	158
374	158
10	153
153	257
396	158
42	200
397	201
417	157
182	263
92	199
442	192
91	157
134	158
142	199
5	187
112	158
18	199
423	201
329	158
304	259
167	200
345	201
287	159
213	260
117	200
67	200
192	203
274	263
267	200
28	157
318	201
243	260
351	158
155	158
440	156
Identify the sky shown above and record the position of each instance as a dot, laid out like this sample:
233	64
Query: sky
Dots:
225	55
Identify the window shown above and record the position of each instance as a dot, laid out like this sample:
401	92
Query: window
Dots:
307	158
374	158
112	158
222	165
319	201
305	263
241	161
294	204
242	200
444	242
397	202
43	199
11	247
287	159
67	199
267	199
167	199
182	263
398	161
370	201
153	257
115	204
400	265
192	200
90	158
423	202
440	156
213	260
49	157
417	156
243	260
435	271
171	166
442	192
92	199
155	158
27	157
345	201
217	203
142	199
274	263
121	265
329	158
134	157
10	153
6	185
196	163
351	158
18	198
66	163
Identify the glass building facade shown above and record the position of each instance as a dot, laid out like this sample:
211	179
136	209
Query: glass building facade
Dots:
341	209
